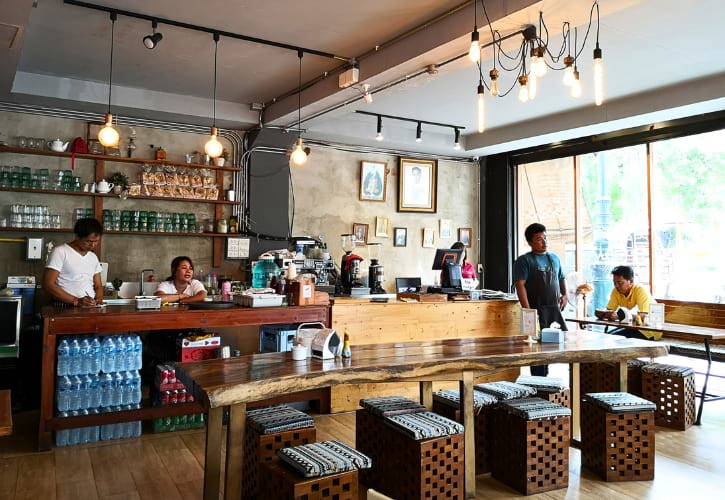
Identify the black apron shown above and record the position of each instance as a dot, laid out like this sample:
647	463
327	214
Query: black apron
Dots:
542	289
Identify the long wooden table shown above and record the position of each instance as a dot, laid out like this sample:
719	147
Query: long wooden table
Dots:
235	382
674	332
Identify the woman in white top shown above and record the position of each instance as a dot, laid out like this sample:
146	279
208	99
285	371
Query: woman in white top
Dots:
73	274
181	286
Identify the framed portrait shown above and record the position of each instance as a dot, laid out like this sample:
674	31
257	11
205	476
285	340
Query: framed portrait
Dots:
381	227
417	185
400	237
445	229
429	237
464	235
373	180
361	233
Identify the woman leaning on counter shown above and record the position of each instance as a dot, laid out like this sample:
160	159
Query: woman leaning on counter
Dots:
181	286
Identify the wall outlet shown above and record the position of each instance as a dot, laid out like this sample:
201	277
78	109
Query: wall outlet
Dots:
34	249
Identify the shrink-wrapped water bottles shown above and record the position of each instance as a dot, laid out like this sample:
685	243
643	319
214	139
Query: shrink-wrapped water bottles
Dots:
108	355
63	357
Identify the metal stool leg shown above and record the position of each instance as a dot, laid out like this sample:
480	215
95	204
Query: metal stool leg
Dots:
703	395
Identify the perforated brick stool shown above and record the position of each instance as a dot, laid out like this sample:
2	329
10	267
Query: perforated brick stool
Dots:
504	390
448	404
530	445
370	428
328	469
672	389
604	377
618	438
268	430
549	388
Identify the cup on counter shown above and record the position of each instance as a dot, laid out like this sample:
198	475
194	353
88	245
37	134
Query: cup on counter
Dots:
299	352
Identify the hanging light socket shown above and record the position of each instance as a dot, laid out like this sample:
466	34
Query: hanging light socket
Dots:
419	133
379	134
456	139
108	136
213	147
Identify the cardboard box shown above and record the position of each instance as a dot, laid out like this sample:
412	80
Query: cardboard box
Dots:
197	350
301	293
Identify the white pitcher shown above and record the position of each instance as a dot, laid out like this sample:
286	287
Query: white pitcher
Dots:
103	186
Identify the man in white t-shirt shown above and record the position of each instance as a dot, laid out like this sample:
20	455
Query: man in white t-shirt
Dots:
73	272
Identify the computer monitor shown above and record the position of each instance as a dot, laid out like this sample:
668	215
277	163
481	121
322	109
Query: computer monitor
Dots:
403	285
448	261
443	255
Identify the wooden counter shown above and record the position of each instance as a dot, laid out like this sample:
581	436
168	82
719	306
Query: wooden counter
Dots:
371	323
124	319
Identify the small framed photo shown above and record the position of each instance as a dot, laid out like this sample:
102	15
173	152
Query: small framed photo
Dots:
381	227
464	235
373	181
417	185
528	322
656	315
361	233
429	237
400	235
445	229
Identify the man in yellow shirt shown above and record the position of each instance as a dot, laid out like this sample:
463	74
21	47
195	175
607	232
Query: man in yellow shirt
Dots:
628	294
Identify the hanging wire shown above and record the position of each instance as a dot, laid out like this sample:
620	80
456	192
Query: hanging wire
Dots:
216	47
299	96
110	70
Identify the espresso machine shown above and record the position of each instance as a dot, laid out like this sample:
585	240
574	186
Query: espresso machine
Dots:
350	265
376	272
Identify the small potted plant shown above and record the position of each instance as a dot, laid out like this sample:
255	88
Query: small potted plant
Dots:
119	180
222	159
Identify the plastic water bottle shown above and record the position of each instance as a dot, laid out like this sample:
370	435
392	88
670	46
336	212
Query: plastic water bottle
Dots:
138	348
84	358
74	357
118	427
95	356
262	270
75	392
83	431
61	436
74	435
62	394
120	354
108	355
127	386
136	425
107	429
106	385
130	354
117	393
94	393
136	384
94	431
85	391
62	365
126	427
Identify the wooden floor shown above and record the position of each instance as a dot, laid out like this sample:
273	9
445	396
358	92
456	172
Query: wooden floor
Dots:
689	464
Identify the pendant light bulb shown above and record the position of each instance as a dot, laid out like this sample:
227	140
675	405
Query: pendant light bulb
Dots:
568	71
108	136
213	147
474	52
298	157
598	77
532	85
494	82
481	108
523	90
538	63
576	87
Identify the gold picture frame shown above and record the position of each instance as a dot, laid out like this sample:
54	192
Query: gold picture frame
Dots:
417	185
361	233
382	227
464	235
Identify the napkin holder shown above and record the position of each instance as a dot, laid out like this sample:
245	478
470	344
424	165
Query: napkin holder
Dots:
554	335
325	344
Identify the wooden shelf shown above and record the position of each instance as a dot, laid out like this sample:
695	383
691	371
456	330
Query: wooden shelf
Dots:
121	159
122	233
112	195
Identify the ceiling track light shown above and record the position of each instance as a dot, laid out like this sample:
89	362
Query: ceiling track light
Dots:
419	124
299	154
152	40
108	136
456	138
213	147
379	134
419	133
365	91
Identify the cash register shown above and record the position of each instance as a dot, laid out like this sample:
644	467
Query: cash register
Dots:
448	262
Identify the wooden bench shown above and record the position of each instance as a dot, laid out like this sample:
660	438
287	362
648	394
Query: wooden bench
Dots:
6	414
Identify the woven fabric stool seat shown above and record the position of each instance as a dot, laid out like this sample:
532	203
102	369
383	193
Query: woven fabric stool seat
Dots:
448	403
617	436
672	389
530	444
328	469
415	455
268	430
548	388
505	390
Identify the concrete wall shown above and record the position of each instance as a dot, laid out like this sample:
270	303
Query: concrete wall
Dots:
325	193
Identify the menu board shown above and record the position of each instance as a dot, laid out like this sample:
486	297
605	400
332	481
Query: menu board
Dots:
237	248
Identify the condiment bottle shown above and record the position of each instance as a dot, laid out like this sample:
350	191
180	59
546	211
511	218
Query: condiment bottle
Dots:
161	154
221	226
346	345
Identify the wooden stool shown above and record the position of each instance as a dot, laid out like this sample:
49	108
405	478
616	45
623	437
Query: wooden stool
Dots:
618	438
269	430
448	404
549	388
672	389
328	469
530	445
370	428
604	377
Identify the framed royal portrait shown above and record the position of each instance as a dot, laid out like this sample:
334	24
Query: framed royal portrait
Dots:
417	185
381	227
429	237
361	233
373	180
400	237
464	235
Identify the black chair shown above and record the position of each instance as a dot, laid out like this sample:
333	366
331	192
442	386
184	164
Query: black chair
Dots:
407	284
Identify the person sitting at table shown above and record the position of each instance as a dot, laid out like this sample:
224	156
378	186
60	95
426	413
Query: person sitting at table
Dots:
629	294
181	286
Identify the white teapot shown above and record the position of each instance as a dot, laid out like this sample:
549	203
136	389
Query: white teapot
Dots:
57	145
104	187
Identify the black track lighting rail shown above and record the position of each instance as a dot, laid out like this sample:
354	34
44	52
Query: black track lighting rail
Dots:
412	120
204	29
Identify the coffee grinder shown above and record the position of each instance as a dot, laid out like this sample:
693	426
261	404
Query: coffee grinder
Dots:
376	272
350	264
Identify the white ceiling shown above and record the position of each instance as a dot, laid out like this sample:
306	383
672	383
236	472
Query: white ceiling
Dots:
663	60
